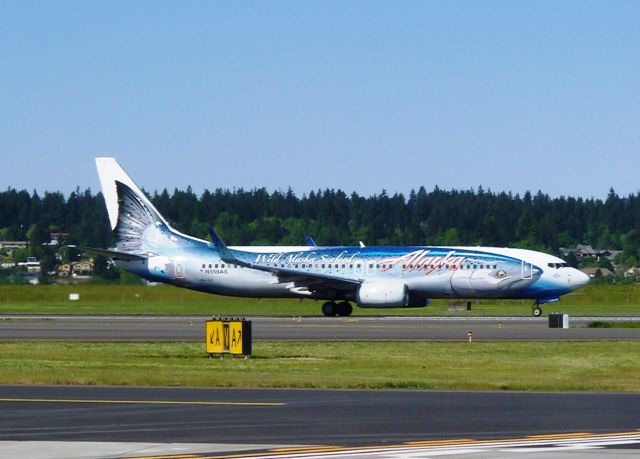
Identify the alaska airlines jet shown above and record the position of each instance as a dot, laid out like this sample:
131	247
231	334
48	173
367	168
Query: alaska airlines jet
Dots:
370	276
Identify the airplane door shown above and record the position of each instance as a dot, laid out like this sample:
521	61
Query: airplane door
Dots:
527	270
179	270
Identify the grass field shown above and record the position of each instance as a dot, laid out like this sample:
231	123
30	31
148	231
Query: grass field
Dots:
593	300
599	324
569	366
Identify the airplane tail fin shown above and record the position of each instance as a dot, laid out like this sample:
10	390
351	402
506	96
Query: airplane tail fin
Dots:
131	213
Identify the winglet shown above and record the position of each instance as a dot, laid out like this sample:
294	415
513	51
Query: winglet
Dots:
221	247
217	240
309	240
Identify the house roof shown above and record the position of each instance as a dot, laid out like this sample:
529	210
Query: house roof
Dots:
591	272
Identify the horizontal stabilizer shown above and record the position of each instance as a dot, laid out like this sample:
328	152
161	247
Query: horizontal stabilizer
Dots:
110	253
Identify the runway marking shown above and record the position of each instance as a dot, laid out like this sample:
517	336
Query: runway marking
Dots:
552	436
300	449
180	456
583	440
140	402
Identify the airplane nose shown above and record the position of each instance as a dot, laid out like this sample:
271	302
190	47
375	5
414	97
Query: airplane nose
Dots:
579	279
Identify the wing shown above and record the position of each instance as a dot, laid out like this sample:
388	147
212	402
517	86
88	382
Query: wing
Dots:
298	279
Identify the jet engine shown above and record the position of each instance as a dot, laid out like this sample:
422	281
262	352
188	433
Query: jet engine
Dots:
383	293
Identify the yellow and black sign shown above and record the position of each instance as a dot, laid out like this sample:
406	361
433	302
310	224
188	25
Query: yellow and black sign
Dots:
229	336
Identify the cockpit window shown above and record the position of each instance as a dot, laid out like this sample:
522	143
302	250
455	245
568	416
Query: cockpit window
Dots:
558	265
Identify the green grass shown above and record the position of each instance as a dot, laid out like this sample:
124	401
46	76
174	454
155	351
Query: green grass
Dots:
568	366
594	300
600	324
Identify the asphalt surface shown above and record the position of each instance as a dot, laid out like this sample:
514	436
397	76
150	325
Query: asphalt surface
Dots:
57	422
301	417
183	328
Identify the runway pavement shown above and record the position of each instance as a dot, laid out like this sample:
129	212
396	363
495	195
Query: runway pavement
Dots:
129	421
91	422
184	328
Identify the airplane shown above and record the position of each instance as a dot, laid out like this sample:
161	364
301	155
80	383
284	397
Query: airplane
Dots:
369	276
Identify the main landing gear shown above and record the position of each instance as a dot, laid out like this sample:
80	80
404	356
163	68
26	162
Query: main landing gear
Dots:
536	310
331	309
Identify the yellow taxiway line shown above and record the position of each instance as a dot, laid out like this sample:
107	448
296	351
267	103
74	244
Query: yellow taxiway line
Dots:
140	402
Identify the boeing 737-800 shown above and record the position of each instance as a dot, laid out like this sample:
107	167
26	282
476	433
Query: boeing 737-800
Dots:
370	276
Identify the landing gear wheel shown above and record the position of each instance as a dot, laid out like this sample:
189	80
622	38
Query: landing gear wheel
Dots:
345	309
329	309
536	311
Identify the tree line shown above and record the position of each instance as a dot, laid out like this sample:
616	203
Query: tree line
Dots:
332	217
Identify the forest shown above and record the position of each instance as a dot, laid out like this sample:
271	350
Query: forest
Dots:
332	217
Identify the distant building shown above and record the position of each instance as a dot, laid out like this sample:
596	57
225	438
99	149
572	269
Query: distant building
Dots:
632	273
10	246
593	272
32	264
583	252
82	268
65	270
57	238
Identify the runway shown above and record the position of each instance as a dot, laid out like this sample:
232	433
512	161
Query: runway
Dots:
185	328
45	422
210	422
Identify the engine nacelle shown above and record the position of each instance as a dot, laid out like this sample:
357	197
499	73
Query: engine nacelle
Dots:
383	293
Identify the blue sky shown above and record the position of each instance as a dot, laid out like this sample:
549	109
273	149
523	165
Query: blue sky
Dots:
361	96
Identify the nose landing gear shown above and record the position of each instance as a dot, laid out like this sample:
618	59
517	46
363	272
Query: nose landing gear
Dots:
536	310
331	309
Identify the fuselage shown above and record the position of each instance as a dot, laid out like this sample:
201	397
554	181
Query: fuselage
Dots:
430	271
